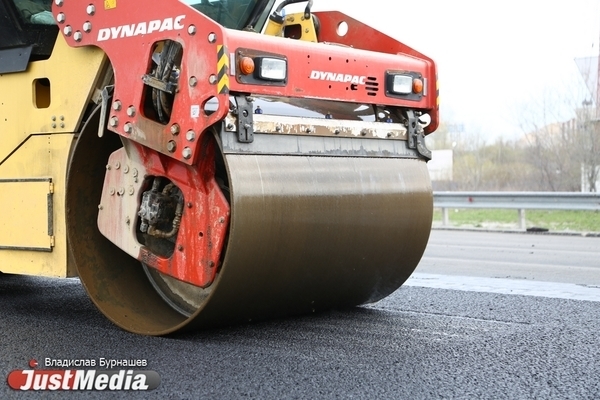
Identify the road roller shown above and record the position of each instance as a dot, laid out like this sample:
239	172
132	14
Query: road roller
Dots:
201	163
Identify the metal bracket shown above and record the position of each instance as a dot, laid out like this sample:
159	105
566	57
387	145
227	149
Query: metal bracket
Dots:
106	96
156	83
245	121
416	138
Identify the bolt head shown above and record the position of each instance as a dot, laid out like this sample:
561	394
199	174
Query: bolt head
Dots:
212	37
131	111
212	79
116	105
171	146
87	26
128	128
193	81
78	36
113	122
67	31
186	153
191	30
59	2
175	129
91	9
190	136
60	17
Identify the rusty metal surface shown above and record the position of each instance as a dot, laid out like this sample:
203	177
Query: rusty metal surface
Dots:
281	125
306	234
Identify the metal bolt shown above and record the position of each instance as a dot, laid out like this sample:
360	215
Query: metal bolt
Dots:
128	128
212	79
125	169
306	30
117	105
91	9
363	132
58	2
121	191
53	125
67	30
135	173
337	132
131	191
278	128
171	146
230	127
78	36
117	165
189	205
180	248
389	134
100	207
211	264
190	136
175	129
193	81
62	118
53	118
186	153
212	37
222	220
114	121
127	220
112	191
87	26
62	125
192	29
60	17
108	166
131	111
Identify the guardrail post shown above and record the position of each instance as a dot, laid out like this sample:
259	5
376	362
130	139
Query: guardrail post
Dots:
445	218
522	222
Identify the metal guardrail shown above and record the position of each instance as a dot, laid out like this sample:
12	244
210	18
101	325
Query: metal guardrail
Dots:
516	200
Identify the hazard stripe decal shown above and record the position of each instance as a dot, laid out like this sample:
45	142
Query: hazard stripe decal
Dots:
223	67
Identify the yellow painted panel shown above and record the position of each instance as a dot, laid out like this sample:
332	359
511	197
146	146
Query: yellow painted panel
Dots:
50	96
26	217
40	157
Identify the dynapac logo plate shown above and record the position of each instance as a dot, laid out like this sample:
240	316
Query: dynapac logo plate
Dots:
337	77
141	28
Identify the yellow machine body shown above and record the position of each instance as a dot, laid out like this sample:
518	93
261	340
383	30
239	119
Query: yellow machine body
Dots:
40	111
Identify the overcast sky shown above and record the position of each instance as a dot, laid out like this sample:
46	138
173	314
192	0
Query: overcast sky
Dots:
492	56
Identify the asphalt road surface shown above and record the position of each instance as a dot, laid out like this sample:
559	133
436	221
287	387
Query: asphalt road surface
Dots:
456	330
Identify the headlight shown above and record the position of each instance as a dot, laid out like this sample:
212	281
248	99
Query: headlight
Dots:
406	85
271	69
402	84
